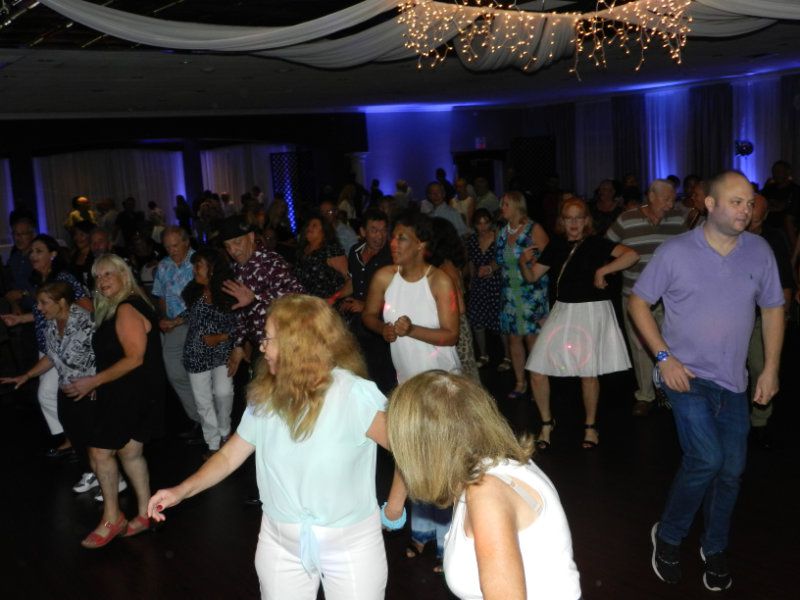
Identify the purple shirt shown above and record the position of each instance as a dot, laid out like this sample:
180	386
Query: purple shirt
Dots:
709	301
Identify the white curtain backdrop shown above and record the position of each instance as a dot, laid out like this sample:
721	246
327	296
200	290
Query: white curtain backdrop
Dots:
594	145
756	117
236	169
666	134
6	201
305	42
144	174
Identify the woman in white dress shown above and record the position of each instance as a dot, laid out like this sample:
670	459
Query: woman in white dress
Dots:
581	337
509	536
414	305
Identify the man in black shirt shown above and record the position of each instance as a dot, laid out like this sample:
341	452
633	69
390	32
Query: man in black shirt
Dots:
363	260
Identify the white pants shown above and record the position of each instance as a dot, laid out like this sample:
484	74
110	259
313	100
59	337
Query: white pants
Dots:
213	397
48	399
352	561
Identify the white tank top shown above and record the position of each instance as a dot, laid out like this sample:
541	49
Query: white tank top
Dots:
545	545
415	300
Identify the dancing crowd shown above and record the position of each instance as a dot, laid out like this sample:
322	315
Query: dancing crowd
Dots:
381	295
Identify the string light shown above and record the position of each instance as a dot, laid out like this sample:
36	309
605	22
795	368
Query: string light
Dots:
477	29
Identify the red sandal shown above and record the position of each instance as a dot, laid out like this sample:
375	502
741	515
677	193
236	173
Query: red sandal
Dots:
94	540
137	525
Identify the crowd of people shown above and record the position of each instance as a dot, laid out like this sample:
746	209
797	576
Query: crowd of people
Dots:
379	295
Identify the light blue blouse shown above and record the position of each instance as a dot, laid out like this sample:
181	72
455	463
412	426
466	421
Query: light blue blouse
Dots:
327	479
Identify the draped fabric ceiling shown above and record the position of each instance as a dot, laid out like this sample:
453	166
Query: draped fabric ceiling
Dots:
307	42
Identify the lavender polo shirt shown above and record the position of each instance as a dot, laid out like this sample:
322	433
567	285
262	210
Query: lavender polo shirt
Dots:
709	301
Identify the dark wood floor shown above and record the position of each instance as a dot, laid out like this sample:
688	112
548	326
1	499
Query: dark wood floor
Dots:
205	550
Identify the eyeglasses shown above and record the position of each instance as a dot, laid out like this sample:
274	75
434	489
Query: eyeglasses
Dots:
263	345
573	219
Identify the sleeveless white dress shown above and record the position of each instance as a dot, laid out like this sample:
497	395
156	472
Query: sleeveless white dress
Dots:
415	300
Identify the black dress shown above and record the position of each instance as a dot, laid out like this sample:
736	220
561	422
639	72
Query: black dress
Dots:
131	407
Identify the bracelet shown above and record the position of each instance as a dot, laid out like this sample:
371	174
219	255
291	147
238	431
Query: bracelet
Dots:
392	525
662	355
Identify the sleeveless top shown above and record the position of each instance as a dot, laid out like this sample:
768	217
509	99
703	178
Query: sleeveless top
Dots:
545	545
415	300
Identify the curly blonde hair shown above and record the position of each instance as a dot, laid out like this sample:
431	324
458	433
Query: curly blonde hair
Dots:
312	339
445	432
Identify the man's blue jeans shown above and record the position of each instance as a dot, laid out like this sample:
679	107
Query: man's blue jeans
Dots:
712	425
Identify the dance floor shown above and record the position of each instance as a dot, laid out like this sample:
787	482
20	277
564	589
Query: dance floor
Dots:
205	549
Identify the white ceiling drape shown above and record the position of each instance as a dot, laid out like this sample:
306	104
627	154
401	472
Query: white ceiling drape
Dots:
305	42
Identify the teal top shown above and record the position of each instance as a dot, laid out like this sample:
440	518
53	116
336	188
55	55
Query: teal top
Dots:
327	479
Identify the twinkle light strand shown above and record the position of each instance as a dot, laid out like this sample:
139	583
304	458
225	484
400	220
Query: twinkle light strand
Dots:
477	29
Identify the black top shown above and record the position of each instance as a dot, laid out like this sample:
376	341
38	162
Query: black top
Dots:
130	407
577	282
362	273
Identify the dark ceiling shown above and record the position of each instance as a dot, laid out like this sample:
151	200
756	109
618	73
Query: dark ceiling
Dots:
49	69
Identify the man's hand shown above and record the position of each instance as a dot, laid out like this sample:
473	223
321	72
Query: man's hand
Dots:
766	387
243	294
675	375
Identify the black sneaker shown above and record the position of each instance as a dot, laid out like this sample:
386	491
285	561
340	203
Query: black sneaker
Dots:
666	558
716	576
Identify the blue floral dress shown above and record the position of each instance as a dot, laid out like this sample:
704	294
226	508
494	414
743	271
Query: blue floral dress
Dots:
523	304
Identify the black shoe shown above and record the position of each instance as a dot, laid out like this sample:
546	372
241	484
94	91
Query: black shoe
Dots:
716	576
59	453
666	558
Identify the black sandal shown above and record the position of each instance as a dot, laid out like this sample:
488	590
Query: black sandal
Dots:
589	444
544	445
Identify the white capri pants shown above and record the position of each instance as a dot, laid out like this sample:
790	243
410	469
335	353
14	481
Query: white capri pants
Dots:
213	397
352	561
47	393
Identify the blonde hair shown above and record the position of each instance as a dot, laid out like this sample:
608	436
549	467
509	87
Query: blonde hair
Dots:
517	200
588	224
445	432
106	308
312	339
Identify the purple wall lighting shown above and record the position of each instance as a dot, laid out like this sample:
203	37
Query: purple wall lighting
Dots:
666	132
284	178
408	145
756	118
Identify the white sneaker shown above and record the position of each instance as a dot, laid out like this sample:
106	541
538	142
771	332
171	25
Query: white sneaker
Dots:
87	482
123	485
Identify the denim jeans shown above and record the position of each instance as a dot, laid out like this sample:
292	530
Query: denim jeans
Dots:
712	425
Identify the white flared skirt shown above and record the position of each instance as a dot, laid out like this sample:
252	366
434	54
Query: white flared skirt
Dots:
580	339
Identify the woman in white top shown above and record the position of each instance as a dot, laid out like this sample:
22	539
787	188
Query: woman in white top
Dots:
509	537
414	306
313	422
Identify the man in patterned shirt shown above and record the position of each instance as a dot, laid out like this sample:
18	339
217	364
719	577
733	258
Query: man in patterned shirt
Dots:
173	273
644	229
262	276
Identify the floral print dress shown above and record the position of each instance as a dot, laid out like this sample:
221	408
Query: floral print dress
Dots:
523	304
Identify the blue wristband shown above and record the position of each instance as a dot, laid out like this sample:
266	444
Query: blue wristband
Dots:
392	525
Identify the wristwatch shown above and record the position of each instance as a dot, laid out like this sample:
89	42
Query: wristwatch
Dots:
662	355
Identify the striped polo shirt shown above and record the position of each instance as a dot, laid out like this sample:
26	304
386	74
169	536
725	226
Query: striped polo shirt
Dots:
635	230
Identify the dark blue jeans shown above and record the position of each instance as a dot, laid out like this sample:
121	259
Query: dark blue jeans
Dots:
712	425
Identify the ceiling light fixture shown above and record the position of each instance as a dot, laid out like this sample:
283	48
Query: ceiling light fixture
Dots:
478	28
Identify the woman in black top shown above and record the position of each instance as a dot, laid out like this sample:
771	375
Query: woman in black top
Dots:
321	264
581	336
129	389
